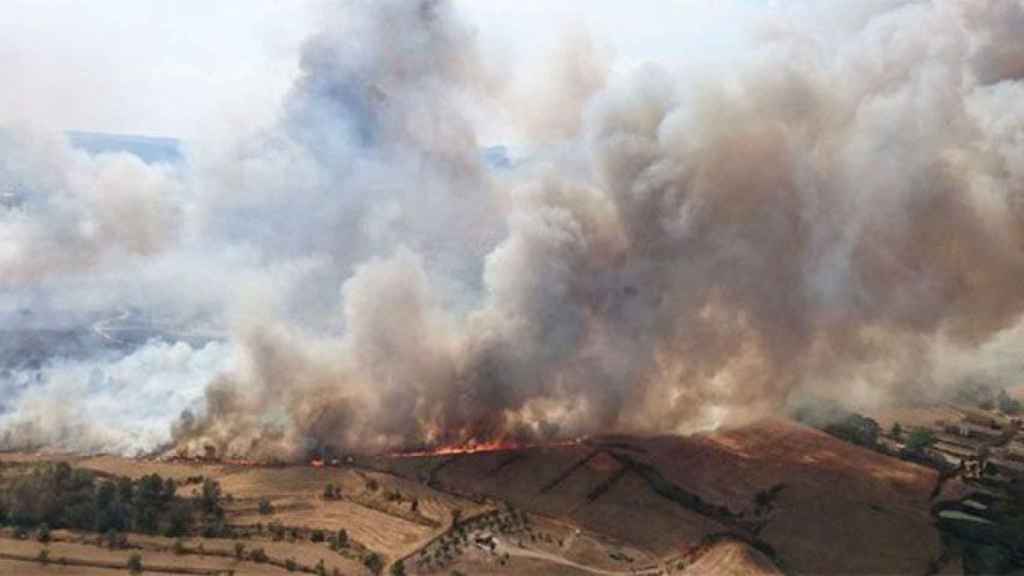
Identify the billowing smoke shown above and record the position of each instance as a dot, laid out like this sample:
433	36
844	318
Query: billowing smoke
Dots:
836	210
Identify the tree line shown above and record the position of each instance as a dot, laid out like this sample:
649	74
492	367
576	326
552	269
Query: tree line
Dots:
59	496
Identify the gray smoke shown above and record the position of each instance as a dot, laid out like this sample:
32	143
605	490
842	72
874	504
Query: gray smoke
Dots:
837	210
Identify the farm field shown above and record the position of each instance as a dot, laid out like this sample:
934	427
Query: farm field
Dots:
790	498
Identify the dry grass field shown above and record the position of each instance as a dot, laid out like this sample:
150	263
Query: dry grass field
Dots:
603	506
838	506
732	559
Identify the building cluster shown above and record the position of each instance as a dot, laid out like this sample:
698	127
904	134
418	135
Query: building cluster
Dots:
981	444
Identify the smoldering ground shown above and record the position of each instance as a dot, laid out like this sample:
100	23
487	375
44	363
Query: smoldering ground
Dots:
835	208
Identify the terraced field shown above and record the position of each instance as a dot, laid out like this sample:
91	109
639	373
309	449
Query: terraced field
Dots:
782	495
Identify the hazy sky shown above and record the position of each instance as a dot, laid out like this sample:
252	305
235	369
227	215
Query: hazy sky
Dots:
178	67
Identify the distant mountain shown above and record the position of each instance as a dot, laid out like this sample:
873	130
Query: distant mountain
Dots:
149	149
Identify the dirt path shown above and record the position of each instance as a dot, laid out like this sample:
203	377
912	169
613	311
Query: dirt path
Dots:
503	548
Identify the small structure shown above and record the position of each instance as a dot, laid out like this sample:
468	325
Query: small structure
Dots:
978	431
973	469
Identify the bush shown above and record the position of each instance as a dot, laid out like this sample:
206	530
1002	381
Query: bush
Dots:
258	555
43	534
43	557
856	429
276	531
265	507
372	485
918	440
239	550
398	568
329	493
373	563
289	565
135	563
179	547
342	538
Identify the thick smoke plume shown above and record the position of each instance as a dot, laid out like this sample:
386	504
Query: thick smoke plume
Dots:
837	211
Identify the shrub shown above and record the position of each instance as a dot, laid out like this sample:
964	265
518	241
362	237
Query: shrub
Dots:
265	507
276	531
239	550
258	555
919	439
342	538
317	535
179	547
43	557
289	565
329	493
135	563
398	568
43	534
373	563
856	429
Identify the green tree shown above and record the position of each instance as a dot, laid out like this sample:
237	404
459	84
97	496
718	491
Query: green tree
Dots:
209	498
896	431
919	439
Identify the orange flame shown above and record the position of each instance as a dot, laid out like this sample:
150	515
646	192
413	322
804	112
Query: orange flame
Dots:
474	447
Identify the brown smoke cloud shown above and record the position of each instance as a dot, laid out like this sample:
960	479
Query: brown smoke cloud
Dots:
699	252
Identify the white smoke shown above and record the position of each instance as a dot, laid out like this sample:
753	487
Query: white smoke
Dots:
834	204
119	405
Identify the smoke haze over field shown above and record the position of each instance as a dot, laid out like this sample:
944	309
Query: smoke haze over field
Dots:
832	206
